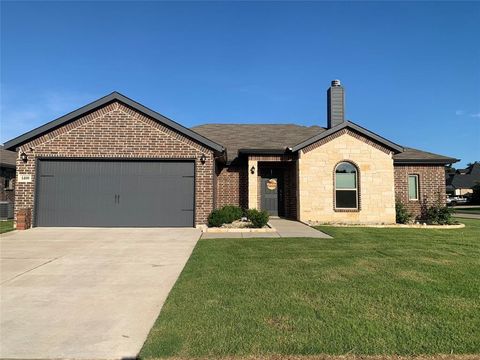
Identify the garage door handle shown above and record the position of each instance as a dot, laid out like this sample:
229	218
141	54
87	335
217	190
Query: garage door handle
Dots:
118	199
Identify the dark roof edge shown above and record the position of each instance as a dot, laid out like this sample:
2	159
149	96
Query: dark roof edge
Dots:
114	96
10	166
353	126
262	151
425	161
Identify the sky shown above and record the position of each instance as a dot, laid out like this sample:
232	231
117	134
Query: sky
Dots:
411	70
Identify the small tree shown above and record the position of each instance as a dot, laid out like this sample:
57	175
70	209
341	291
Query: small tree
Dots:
440	215
449	169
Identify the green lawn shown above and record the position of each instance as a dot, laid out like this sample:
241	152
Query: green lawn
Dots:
472	210
367	291
6	226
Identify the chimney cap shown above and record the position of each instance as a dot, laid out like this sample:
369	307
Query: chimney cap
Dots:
336	82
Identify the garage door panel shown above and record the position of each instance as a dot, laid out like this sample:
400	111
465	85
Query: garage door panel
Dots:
115	193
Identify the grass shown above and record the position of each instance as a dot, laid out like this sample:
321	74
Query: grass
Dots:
6	226
367	291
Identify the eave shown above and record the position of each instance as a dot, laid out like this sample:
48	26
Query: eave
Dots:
115	96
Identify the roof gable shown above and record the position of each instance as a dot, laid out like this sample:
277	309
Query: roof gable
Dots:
352	126
115	96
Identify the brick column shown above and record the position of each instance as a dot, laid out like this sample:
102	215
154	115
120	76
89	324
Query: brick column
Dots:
24	219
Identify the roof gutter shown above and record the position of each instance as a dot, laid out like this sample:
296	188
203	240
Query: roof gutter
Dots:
424	161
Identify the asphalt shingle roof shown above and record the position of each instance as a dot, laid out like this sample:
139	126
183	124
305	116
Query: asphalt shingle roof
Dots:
256	136
280	137
415	154
8	158
465	178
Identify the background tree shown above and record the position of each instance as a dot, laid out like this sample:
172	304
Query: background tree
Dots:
475	199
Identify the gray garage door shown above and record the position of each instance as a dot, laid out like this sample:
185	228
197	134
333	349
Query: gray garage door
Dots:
115	193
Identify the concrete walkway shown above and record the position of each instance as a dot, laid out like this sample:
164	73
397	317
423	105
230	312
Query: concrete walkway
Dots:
291	228
467	215
283	227
86	293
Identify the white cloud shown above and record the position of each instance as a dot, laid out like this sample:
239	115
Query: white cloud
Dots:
459	112
476	115
19	114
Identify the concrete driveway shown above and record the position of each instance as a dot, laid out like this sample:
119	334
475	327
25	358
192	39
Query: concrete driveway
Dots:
86	293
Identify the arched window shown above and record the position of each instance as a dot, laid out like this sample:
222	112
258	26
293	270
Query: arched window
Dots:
346	186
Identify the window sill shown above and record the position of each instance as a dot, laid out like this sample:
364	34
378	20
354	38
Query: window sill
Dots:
346	210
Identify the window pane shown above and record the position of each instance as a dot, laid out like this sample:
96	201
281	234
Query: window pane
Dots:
346	199
345	181
345	168
412	187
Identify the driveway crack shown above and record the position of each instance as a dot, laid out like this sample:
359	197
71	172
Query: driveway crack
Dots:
27	271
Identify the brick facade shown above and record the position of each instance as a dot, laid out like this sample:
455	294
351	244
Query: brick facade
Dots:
232	183
232	186
431	187
117	131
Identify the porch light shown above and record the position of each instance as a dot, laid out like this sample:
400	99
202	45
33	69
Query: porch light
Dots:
203	159
252	170
23	157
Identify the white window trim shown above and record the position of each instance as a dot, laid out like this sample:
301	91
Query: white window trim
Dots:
352	189
417	188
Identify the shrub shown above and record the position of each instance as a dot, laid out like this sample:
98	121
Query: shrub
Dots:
403	216
225	215
258	218
440	215
216	218
232	213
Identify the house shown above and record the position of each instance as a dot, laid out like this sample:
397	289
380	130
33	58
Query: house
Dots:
115	162
462	181
8	160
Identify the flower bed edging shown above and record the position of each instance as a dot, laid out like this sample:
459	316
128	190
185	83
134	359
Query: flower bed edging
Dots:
268	229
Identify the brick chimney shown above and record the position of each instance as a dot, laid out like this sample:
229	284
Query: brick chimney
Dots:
335	104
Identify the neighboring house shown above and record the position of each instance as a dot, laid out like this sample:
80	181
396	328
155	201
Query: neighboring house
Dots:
462	181
115	162
8	161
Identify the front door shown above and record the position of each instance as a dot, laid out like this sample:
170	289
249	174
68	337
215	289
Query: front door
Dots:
270	195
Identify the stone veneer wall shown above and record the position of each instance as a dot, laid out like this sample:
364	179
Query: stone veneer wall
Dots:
117	131
431	187
316	166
